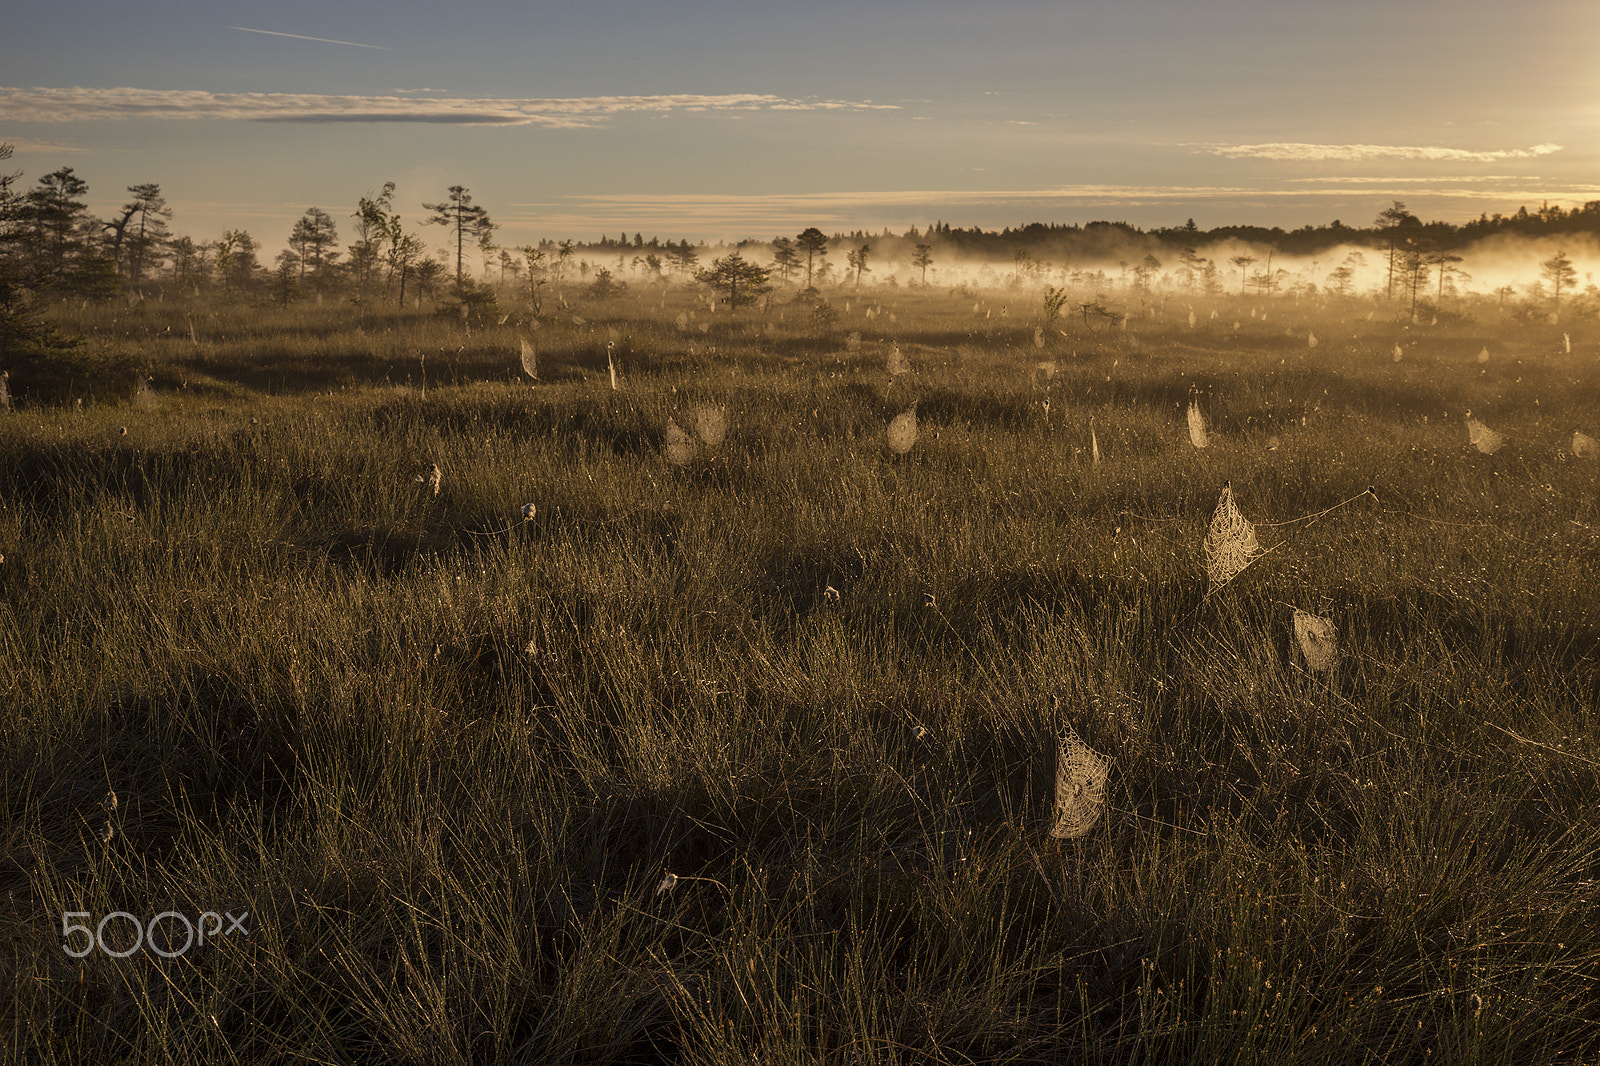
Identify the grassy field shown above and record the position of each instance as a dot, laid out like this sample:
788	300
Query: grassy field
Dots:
446	757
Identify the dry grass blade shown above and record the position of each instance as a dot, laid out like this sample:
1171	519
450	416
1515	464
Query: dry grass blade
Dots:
1230	544
903	431
711	424
1318	639
1081	776
1197	426
1482	437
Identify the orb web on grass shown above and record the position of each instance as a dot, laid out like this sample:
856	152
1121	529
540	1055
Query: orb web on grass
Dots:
1318	639
896	363
680	446
1081	776
1584	446
1230	544
903	431
1197	426
1482	437
711	424
530	361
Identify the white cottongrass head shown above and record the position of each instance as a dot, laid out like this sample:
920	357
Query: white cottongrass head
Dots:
530	360
1197	426
1318	639
611	363
528	512
680	446
1081	776
1230	544
1482	437
711	424
903	431
667	884
1584	446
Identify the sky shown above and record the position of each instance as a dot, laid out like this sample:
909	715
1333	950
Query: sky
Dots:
728	119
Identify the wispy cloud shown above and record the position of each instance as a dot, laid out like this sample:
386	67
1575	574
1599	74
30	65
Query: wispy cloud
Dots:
1480	179
303	37
1291	152
23	145
83	104
732	212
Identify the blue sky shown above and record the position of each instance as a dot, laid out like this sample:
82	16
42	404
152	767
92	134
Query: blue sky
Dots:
714	119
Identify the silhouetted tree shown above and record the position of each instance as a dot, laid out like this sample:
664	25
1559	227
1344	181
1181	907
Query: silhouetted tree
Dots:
1243	263
814	243
467	220
742	278
923	260
785	259
54	219
140	230
1392	222
858	261
235	263
1560	273
312	240
372	232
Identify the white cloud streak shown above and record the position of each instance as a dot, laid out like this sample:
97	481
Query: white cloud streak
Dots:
83	105
303	37
1296	153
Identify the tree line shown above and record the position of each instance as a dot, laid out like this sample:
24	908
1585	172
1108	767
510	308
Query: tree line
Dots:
52	245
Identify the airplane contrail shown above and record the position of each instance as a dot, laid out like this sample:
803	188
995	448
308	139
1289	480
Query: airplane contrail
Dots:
303	37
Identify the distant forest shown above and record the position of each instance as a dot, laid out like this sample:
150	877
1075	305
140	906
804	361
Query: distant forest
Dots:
51	245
